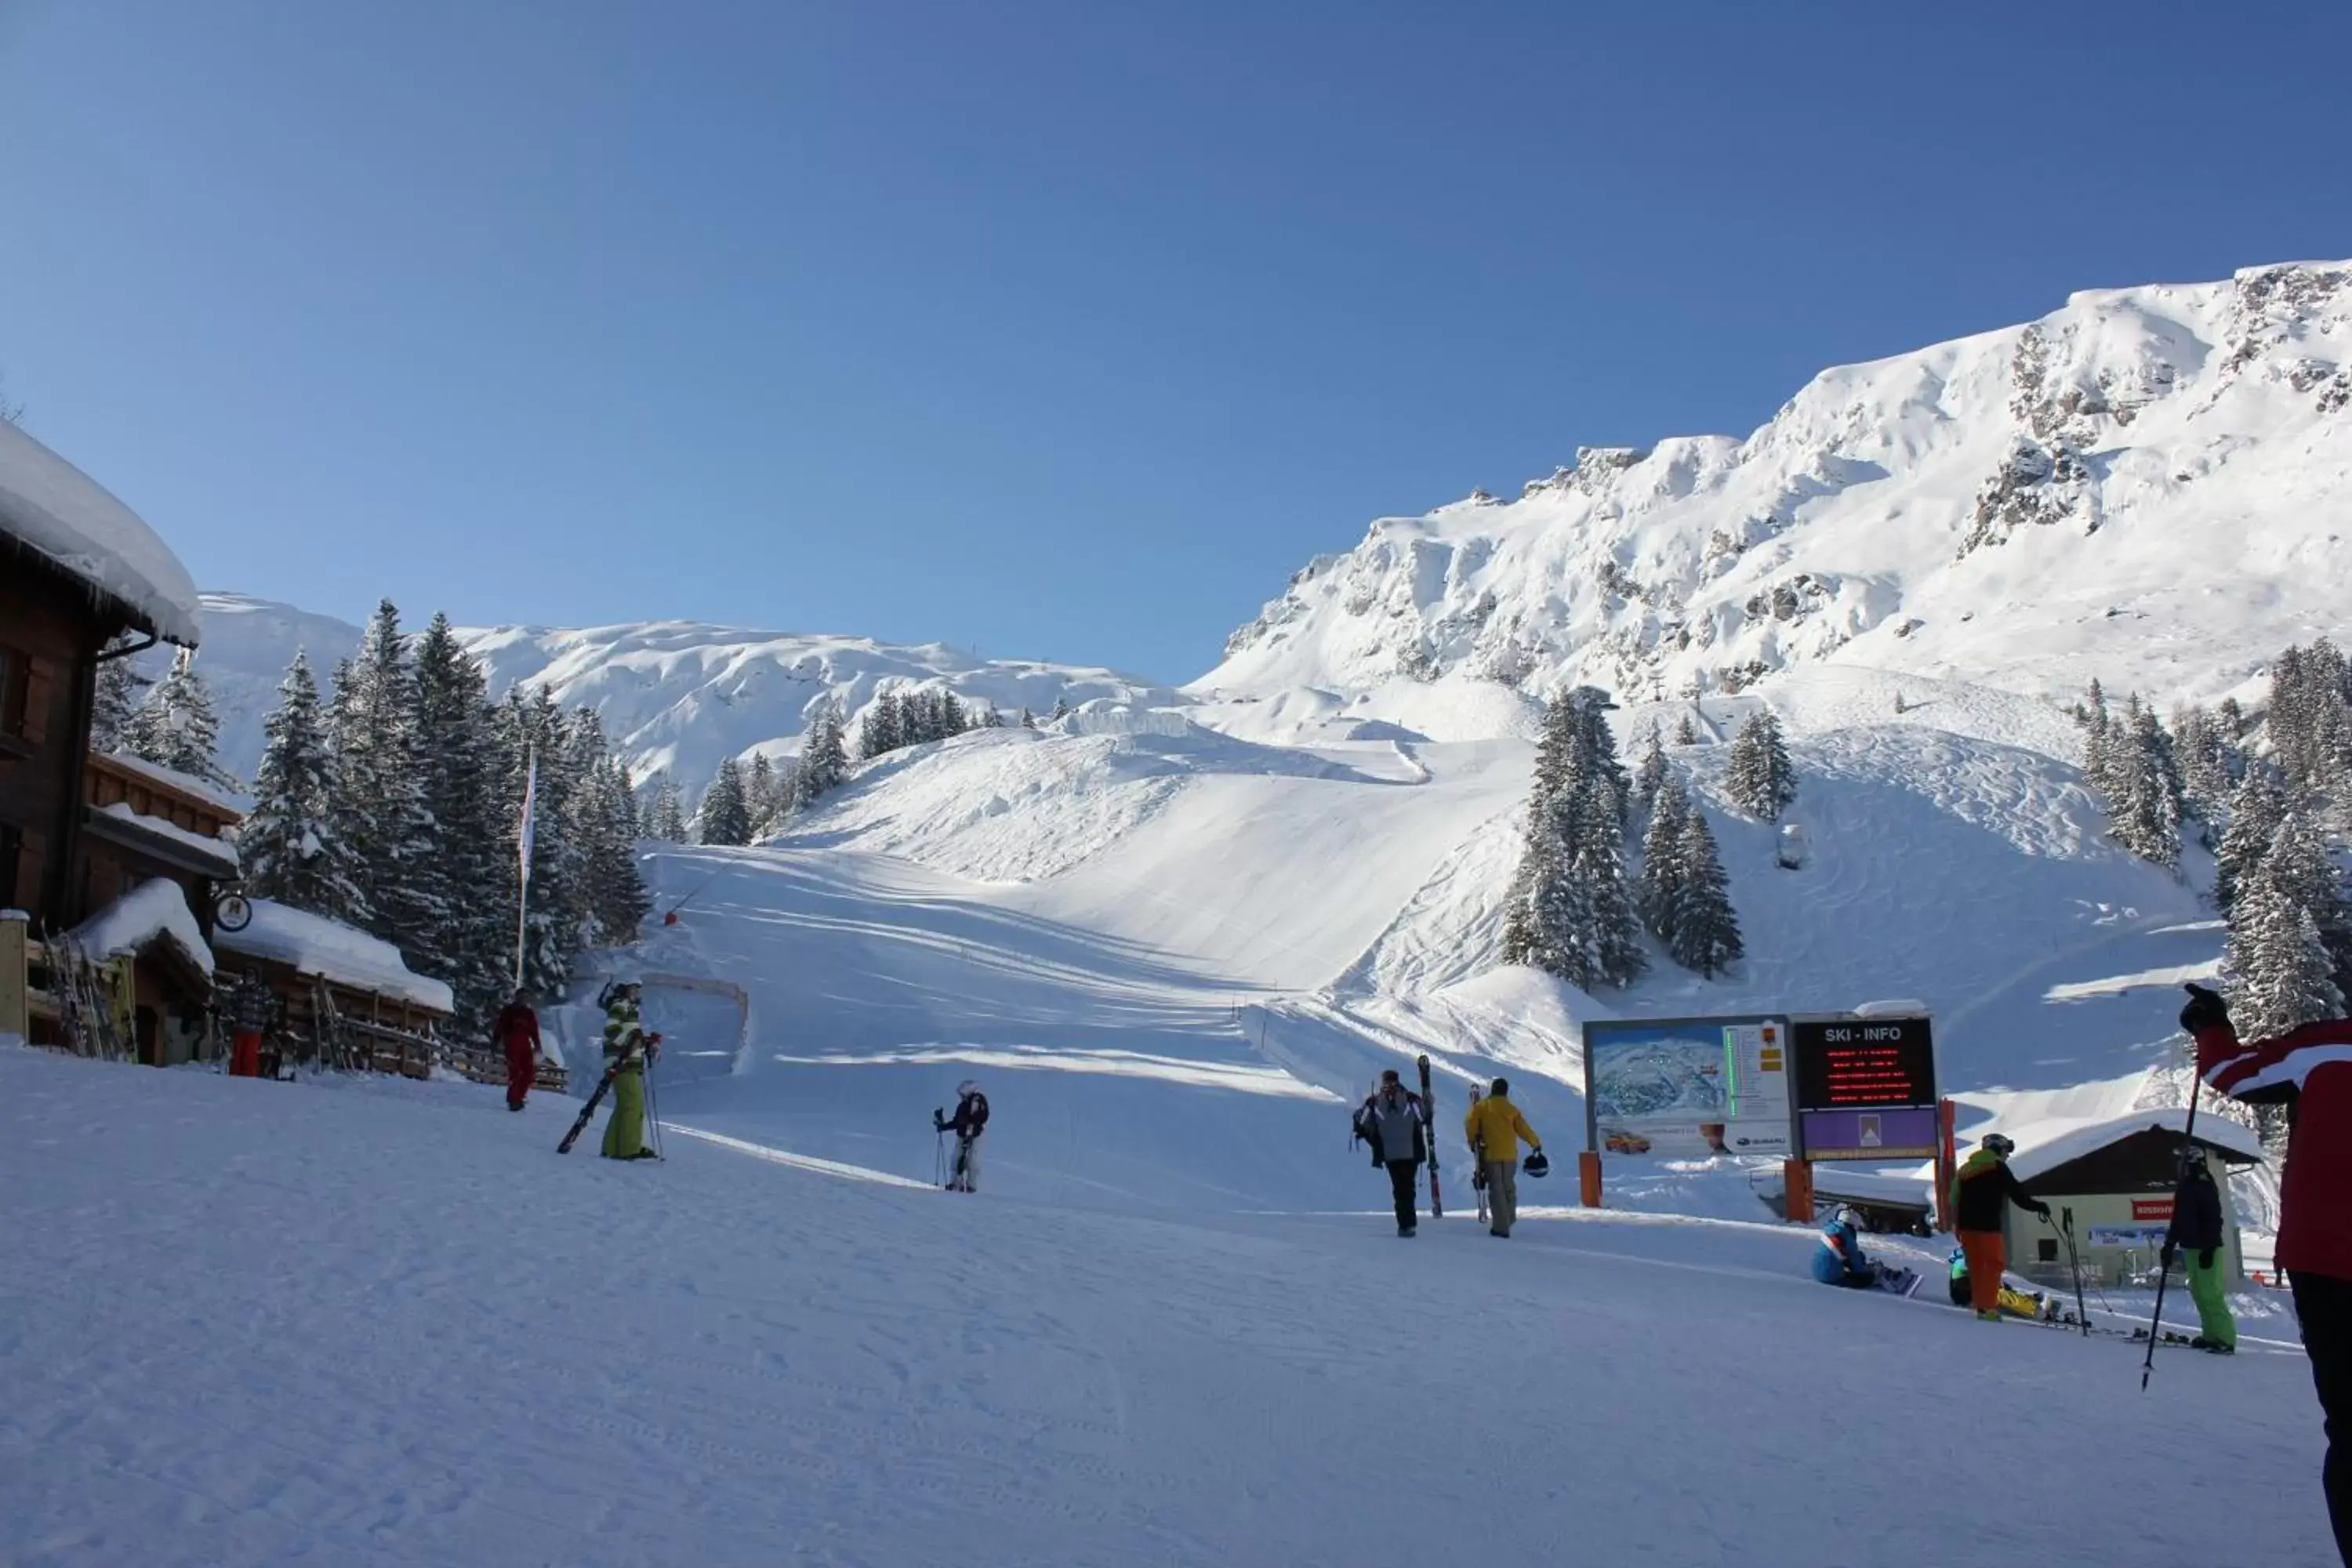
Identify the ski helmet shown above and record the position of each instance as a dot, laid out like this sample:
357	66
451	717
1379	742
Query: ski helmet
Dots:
967	1088
1846	1214
1536	1163
1501	1090
1996	1144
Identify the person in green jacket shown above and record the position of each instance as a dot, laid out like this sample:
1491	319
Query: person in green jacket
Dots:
628	1051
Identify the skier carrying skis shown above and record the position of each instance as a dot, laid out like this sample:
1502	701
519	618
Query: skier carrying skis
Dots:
628	1051
1392	1122
1839	1260
515	1032
2308	1070
1980	1188
2196	1229
970	1120
1494	1128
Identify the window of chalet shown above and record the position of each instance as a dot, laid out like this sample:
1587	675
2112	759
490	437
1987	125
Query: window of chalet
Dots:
15	685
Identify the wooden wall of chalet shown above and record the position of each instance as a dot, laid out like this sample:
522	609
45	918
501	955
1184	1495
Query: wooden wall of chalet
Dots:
366	1031
109	869
51	629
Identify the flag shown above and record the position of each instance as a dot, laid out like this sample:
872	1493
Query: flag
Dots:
530	795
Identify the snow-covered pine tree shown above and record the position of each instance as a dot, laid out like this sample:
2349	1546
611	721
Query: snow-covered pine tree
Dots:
1028	720
2257	806
991	719
1650	771
764	796
1705	928
2278	973
115	703
532	729
2209	764
2231	720
1597	860
177	727
825	758
665	815
884	728
379	805
1757	774
2098	733
2143	811
2300	864
1663	872
613	894
1569	911
1062	706
287	842
1686	731
463	869
724	815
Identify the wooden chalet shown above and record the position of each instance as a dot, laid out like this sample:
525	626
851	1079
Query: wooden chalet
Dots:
78	569
344	1000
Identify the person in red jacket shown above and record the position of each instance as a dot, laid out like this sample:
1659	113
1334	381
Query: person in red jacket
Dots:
2309	1071
517	1033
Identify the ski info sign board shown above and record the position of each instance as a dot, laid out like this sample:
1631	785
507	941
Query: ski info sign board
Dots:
1687	1088
1865	1088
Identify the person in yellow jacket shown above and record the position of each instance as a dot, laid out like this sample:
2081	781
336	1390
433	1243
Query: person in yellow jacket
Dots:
1494	1128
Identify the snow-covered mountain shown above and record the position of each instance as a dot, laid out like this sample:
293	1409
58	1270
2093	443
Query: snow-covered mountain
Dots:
2152	485
678	695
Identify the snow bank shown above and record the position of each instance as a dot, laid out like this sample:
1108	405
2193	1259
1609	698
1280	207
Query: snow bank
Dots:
312	945
155	909
66	516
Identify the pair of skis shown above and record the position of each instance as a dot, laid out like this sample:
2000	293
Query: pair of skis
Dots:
1429	1137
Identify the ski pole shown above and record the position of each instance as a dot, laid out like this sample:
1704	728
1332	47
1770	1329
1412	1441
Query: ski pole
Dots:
2075	1264
2164	1258
653	1105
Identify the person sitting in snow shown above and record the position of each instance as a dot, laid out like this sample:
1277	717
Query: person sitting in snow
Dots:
515	1033
1393	1122
1839	1260
628	1050
970	1120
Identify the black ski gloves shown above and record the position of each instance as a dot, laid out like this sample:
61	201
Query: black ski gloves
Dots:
2205	1010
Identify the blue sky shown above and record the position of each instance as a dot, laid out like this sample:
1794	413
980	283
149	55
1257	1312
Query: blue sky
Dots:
1058	330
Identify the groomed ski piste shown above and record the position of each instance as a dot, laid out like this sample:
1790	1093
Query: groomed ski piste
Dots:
374	1321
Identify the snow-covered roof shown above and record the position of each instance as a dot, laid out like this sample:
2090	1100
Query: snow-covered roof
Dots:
172	778
313	944
155	909
64	514
217	855
2058	1143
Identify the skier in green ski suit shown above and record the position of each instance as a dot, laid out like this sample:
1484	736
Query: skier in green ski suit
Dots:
632	1049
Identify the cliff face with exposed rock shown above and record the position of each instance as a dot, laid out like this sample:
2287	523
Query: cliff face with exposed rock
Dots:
2148	484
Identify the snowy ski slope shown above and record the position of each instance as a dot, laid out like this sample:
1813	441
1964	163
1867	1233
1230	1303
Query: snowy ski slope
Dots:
382	1323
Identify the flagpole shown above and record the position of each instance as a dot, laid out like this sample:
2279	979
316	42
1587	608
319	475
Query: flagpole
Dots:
523	847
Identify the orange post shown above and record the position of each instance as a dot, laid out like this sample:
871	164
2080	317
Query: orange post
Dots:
1797	1202
1588	1175
1947	1163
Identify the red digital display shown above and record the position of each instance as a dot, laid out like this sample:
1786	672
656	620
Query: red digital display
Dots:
1863	1063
